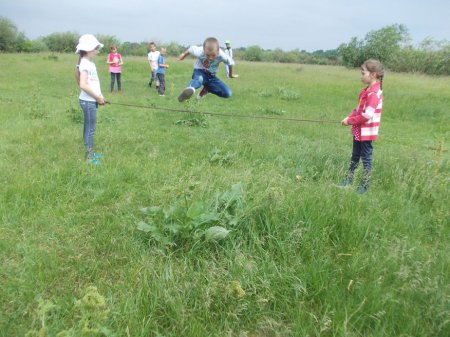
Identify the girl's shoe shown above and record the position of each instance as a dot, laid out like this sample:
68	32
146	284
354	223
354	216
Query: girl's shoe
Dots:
361	189
98	155
94	161
345	183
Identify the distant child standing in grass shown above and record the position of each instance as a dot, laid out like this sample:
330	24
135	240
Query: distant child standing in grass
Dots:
115	61
205	68
365	122
160	73
91	94
152	59
229	52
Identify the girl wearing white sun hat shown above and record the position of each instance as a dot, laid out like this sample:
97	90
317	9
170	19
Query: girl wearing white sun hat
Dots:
91	95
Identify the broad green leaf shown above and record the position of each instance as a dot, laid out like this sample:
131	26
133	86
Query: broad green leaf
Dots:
207	218
151	210
173	228
142	226
195	210
169	212
233	194
216	233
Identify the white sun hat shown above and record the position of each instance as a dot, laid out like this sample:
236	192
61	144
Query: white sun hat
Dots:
88	42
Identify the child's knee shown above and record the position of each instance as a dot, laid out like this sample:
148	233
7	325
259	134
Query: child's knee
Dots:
228	93
198	78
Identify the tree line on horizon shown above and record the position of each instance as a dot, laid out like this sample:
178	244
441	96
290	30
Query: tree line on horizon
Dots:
391	45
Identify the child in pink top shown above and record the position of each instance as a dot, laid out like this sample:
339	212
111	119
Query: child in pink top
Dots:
365	122
115	61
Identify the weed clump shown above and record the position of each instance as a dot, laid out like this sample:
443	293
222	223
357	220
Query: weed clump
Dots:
91	312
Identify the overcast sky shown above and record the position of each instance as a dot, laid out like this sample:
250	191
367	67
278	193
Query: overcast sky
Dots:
285	24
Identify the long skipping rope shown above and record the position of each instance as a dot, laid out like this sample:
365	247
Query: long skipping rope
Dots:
224	114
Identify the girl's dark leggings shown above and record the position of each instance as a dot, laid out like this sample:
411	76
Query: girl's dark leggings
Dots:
361	151
119	83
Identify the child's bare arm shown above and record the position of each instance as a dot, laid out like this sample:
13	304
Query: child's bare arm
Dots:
183	55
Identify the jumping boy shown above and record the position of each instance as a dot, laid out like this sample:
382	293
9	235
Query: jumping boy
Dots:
205	68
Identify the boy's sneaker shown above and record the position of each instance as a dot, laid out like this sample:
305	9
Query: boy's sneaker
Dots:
186	94
202	93
98	155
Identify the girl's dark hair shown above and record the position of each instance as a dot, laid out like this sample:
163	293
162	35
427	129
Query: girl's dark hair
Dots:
375	66
77	73
113	46
82	54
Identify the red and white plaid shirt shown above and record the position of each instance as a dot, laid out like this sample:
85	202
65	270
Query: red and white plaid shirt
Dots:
365	119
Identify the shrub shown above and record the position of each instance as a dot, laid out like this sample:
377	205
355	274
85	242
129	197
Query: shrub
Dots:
38	46
431	57
10	39
382	44
61	42
253	53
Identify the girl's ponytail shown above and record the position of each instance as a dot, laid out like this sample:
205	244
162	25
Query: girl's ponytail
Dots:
77	70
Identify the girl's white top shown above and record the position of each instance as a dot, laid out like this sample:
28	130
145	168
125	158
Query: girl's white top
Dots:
92	79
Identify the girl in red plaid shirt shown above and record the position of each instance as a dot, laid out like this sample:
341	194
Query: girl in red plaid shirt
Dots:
365	122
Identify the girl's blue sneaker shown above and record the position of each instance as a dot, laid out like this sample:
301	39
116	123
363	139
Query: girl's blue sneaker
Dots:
94	161
361	189
345	183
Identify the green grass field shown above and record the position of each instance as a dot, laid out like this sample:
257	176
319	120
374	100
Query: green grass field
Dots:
302	258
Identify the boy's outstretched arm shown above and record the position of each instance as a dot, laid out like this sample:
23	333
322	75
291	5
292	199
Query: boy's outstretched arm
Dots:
183	55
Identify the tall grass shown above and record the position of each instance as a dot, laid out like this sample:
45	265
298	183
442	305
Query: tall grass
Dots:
303	257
